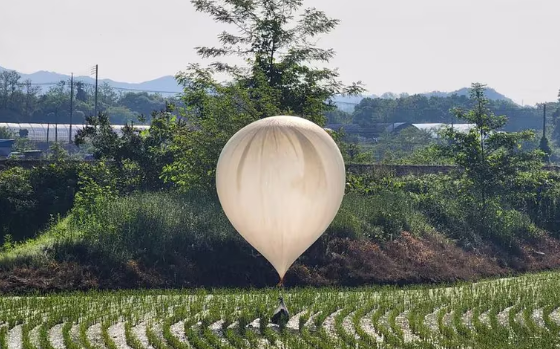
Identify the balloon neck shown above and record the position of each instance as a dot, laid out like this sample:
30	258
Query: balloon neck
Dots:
281	282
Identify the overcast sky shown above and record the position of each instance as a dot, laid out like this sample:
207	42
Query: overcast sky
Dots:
391	45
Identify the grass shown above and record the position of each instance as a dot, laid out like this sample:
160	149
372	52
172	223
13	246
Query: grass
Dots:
156	227
523	312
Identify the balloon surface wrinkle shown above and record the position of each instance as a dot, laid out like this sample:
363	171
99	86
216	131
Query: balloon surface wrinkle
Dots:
280	181
243	159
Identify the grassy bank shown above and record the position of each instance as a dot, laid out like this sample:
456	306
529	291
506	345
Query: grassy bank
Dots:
397	235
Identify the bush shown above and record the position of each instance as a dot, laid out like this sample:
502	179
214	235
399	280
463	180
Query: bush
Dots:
380	216
449	207
153	227
29	199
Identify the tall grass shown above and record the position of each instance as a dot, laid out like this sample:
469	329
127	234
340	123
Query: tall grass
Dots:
381	216
152	225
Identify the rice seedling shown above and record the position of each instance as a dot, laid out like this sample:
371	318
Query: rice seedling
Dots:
517	312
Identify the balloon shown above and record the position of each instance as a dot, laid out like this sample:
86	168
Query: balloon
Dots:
280	181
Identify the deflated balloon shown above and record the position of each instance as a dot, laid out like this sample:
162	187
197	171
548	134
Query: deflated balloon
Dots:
280	181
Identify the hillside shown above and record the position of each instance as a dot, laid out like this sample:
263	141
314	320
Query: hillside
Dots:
166	84
169	85
347	103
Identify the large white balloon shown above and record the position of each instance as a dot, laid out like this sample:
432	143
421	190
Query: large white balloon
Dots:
281	181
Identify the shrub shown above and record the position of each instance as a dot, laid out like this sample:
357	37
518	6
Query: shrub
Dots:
155	226
380	216
30	198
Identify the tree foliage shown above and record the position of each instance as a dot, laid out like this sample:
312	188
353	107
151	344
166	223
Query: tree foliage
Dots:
439	109
278	79
139	157
278	47
21	101
491	160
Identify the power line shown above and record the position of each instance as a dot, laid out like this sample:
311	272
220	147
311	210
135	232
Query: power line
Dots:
113	87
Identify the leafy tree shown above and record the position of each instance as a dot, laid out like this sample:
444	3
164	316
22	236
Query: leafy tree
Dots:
398	146
544	146
30	94
120	115
9	87
338	117
278	49
351	152
277	79
81	94
5	133
139	157
58	153
142	103
438	109
556	121
107	96
55	101
491	160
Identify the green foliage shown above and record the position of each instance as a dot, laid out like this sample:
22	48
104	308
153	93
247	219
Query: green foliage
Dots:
278	53
98	184
392	148
438	109
22	144
490	162
352	153
58	153
338	116
5	133
448	205
544	146
277	80
16	200
21	101
151	226
29	198
379	217
139	157
213	119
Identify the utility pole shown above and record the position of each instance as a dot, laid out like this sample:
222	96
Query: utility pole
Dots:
71	107
544	121
96	68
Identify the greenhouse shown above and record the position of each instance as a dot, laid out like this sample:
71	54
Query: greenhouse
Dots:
52	132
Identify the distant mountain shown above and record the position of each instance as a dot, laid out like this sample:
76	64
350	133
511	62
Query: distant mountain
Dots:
164	84
347	103
168	85
490	93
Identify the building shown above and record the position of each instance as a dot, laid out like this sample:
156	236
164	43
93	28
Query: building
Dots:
53	132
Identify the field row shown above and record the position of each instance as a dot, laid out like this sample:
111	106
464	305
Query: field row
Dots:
521	312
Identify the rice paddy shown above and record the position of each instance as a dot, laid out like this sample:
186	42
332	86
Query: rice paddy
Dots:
522	312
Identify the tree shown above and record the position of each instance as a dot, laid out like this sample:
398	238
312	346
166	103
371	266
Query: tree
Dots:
5	133
142	103
491	160
81	94
544	146
278	51
55	101
107	96
277	79
556	122
31	93
397	147
139	157
338	116
9	84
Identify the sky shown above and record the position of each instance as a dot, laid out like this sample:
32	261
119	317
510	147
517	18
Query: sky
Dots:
396	46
